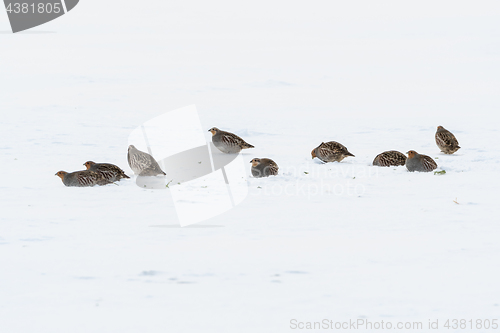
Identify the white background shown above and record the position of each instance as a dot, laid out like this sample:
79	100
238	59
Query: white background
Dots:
344	241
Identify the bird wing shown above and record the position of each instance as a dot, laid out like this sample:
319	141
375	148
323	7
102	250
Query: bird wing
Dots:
140	160
446	139
389	158
109	171
231	139
86	178
332	147
273	169
428	163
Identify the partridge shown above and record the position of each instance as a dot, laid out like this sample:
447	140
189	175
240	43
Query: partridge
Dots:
417	162
109	171
330	152
82	178
263	167
446	141
390	158
228	143
142	163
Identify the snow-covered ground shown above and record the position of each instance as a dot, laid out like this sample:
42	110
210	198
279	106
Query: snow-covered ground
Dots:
339	241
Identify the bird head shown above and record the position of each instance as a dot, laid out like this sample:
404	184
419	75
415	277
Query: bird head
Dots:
213	130
440	128
411	153
313	153
88	164
61	174
255	162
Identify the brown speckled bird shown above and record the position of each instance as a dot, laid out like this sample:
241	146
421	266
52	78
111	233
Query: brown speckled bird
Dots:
109	171
330	152
264	167
390	158
446	141
82	178
417	162
142	163
228	143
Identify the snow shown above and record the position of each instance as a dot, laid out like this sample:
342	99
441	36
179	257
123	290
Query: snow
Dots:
344	241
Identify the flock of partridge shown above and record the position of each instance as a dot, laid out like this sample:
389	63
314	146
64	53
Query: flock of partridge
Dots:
143	164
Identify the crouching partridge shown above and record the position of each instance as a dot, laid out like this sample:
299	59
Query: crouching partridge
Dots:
109	171
330	152
263	167
142	163
228	143
390	158
417	162
446	141
82	178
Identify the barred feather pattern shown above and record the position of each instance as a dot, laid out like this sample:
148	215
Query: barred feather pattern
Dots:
265	168
84	178
142	163
390	158
418	162
110	172
428	163
446	141
332	152
229	143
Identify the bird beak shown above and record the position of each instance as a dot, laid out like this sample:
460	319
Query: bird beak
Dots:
55	174
312	158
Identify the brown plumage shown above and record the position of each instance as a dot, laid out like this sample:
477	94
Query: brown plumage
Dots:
390	158
109	171
418	162
264	167
227	142
82	178
330	152
446	141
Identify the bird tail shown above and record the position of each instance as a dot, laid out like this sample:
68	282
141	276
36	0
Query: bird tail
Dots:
349	154
125	176
246	146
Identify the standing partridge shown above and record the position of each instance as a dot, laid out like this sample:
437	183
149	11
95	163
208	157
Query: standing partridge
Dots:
263	167
109	171
446	141
330	152
417	162
228	143
142	163
82	178
390	158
